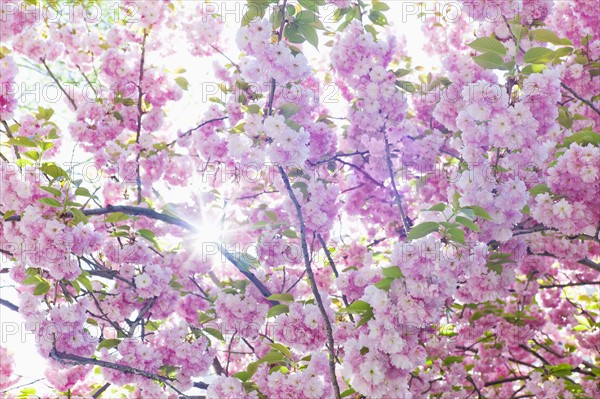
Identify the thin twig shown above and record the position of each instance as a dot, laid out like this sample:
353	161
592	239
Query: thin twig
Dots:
397	196
187	133
332	264
59	85
583	100
10	136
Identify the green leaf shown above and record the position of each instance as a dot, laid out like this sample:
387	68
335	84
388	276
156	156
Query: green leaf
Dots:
583	138
518	30
438	207
283	349
255	10
41	288
148	235
32	280
539	55
311	4
50	202
53	170
78	215
479	211
83	192
402	72
306	17
406	86
488	44
44	113
378	18
277	310
52	190
371	29
457	235
32	155
547	36
452	359
182	82
533	68
380	6
21	141
495	267
85	281
271	215
116	217
564	118
467	223
272	357
289	233
385	283
289	109
539	189
215	333
368	315
285	297
359	307
109	343
422	230
468	212
293	34
561	370
489	61
392	272
8	214
310	34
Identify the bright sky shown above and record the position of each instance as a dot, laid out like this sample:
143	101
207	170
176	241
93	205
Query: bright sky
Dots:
184	114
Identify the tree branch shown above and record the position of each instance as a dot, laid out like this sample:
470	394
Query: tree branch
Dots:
189	132
313	284
583	100
332	264
397	196
152	214
9	305
101	390
66	358
140	115
58	83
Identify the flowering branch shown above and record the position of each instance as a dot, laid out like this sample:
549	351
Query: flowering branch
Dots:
152	214
67	358
140	114
273	82
313	284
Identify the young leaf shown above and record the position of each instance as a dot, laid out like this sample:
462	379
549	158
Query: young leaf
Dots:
109	343
277	310
488	44
538	55
422	230
489	60
467	223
